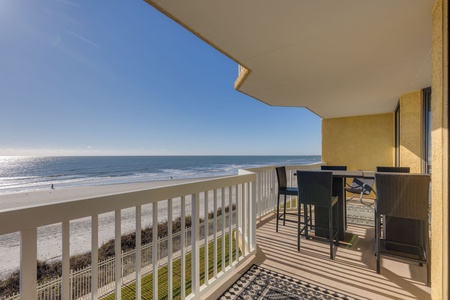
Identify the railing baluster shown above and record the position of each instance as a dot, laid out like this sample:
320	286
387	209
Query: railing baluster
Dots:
273	191
70	284
215	233
230	219
183	247
65	281
169	250
249	213
137	264
94	257
237	222
223	229
252	218
155	250
261	192
195	243
118	257
206	231
243	213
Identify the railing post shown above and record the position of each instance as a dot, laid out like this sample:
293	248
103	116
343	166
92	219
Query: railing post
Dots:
195	243
28	264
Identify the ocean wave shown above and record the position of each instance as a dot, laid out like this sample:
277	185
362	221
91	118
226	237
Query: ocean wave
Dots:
62	172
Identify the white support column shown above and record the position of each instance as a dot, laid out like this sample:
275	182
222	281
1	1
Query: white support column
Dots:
169	250
118	254
138	251
155	250
65	283
195	243
94	256
28	264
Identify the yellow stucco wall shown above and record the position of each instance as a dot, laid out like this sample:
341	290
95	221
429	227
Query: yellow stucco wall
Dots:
439	138
360	143
411	120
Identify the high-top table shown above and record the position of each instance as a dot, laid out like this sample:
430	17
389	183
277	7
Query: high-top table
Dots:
395	229
340	217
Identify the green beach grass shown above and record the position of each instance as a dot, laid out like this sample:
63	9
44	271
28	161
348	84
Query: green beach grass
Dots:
129	291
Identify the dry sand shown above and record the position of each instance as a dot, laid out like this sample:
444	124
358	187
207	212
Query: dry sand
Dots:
49	237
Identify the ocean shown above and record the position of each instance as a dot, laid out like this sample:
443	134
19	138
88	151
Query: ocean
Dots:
24	174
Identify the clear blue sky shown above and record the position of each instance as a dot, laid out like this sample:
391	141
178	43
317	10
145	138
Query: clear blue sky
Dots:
119	78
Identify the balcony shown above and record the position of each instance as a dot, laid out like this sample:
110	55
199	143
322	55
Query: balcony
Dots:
242	234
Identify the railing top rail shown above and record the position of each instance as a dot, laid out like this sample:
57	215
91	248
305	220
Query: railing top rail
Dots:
288	167
305	167
18	219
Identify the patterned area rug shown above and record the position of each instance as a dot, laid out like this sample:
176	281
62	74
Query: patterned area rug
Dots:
263	284
360	214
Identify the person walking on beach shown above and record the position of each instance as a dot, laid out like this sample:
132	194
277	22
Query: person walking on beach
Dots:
52	187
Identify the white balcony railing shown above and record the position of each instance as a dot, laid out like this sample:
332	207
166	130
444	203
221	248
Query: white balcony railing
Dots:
250	196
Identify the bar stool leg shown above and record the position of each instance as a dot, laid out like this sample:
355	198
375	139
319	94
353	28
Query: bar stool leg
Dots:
278	211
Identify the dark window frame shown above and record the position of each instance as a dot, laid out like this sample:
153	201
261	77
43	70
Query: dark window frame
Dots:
426	130
397	134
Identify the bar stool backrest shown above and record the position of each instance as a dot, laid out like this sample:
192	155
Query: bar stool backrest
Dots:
314	187
336	168
403	195
393	169
282	179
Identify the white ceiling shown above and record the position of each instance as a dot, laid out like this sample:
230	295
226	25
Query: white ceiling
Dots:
336	58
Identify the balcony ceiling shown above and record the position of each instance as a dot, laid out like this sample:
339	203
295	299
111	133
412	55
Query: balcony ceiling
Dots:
336	58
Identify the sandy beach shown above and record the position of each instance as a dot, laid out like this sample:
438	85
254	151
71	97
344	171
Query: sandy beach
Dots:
49	237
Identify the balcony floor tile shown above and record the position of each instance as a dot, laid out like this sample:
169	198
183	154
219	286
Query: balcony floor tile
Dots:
353	272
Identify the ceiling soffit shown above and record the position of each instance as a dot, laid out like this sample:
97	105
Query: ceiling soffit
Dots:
336	58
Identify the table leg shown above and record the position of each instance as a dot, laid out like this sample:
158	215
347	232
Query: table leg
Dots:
338	190
339	213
